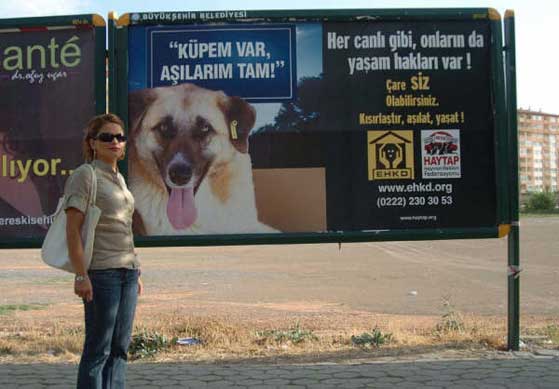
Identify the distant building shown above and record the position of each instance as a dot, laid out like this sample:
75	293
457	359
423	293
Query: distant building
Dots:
538	142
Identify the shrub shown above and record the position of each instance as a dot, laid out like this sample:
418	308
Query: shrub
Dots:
374	338
542	201
451	320
553	333
147	344
295	335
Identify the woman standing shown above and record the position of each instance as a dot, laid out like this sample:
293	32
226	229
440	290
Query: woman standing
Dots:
111	285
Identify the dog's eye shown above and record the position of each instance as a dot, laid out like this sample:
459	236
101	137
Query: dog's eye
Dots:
206	130
203	128
166	128
202	133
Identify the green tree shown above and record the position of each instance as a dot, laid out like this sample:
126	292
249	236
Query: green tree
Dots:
542	201
303	113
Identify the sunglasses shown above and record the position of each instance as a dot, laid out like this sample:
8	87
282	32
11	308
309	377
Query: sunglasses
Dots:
107	137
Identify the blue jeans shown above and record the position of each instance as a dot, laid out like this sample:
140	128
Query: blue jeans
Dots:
108	328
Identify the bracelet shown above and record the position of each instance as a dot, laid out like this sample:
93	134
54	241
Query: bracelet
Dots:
79	278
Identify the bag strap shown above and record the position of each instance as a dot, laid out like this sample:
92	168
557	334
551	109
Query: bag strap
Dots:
93	187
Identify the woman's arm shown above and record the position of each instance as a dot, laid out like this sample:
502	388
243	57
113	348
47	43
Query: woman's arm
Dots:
74	222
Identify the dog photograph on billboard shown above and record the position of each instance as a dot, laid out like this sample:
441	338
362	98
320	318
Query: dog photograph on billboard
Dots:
311	125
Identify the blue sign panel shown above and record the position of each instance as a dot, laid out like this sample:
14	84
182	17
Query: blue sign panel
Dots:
254	62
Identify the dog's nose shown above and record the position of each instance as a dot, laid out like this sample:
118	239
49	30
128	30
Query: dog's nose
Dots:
180	173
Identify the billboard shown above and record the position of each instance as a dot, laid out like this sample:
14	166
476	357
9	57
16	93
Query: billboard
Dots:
47	79
311	125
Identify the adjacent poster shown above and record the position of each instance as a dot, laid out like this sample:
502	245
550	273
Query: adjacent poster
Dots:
416	113
47	97
311	126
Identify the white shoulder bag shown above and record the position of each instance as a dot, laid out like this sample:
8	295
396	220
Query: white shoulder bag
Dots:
55	246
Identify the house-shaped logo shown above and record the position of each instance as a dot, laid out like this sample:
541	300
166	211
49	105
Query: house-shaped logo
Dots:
390	155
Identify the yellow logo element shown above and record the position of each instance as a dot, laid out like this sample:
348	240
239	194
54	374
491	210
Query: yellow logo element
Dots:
390	155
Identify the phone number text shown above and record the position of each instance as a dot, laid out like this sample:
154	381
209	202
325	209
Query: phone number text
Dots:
413	201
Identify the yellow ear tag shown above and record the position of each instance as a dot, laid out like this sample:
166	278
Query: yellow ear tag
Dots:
233	129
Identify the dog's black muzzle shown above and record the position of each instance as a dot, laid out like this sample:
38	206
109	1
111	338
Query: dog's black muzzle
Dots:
180	173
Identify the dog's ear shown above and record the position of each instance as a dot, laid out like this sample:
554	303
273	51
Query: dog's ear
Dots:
138	101
240	117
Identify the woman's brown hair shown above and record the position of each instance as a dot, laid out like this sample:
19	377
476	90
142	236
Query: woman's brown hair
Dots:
93	128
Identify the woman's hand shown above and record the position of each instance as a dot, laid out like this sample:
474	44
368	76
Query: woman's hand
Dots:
84	289
140	286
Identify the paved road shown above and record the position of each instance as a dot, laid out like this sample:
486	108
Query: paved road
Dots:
499	370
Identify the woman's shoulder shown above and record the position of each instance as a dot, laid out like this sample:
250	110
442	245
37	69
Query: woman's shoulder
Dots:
81	174
84	170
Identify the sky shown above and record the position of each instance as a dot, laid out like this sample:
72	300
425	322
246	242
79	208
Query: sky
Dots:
537	28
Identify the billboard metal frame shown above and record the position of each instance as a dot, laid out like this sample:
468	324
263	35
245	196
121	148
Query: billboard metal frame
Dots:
513	339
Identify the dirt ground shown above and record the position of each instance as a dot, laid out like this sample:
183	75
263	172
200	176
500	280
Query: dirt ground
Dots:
267	282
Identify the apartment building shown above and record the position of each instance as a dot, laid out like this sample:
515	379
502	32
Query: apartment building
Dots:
538	143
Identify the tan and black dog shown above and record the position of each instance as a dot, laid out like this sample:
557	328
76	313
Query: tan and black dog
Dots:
189	167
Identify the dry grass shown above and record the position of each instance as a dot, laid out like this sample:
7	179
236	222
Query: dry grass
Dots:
33	343
323	333
227	338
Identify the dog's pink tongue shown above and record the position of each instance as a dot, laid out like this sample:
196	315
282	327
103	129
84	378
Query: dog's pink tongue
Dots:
180	208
